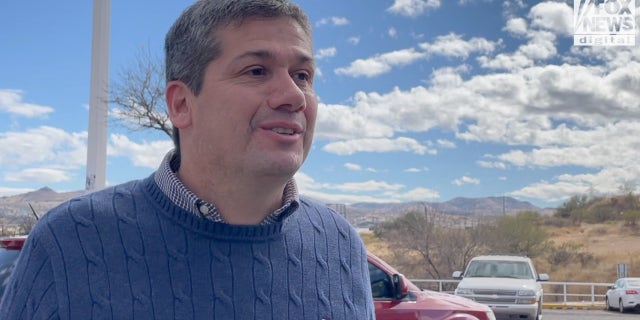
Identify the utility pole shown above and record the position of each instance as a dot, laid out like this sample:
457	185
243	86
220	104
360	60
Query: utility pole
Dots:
99	91
341	208
504	206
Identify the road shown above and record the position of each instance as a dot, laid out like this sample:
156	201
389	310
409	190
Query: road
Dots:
587	315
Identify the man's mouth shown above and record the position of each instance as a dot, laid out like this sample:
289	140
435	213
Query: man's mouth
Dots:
287	131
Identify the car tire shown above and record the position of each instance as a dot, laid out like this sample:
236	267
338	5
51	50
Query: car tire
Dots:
621	306
539	312
609	307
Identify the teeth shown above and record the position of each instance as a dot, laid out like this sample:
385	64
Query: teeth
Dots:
283	131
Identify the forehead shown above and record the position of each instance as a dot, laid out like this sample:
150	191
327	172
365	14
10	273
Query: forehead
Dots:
269	34
265	28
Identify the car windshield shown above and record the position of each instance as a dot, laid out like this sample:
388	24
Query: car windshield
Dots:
7	260
499	269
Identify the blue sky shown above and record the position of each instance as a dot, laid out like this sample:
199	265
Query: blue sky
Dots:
420	100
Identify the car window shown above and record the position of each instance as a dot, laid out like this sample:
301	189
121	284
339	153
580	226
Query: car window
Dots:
618	284
499	269
380	282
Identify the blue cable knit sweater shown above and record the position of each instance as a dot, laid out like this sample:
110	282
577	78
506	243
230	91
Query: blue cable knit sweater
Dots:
128	252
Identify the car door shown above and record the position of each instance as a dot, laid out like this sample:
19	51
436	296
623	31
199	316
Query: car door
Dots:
618	288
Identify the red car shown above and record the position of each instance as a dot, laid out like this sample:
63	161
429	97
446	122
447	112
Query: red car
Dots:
9	250
397	298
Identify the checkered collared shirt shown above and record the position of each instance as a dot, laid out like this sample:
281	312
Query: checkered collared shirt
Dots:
177	192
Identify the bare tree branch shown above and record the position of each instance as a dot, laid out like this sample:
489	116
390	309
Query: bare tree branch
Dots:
139	96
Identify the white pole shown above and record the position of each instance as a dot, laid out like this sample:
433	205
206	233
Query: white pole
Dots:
99	93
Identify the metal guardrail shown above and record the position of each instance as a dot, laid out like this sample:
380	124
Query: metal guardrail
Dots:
554	292
570	292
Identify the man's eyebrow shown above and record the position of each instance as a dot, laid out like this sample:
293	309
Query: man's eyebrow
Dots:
266	54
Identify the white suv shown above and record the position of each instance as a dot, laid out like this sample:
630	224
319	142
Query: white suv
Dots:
509	285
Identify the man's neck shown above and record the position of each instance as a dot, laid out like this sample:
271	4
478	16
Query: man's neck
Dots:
238	200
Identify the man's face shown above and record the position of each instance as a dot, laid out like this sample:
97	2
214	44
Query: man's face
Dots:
256	111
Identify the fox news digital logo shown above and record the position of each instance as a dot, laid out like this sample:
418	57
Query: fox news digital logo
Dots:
604	22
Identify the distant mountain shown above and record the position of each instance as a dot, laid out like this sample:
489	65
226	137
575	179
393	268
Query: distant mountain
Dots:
41	200
485	206
457	206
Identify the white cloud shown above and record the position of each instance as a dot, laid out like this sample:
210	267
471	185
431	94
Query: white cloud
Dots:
326	53
353	166
413	8
540	47
368	186
354	40
11	102
419	194
491	164
417	170
605	182
506	61
352	192
446	144
401	144
343	122
448	76
145	154
5	192
392	32
380	64
39	175
336	21
339	21
49	145
516	26
552	16
335	193
514	108
465	180
452	45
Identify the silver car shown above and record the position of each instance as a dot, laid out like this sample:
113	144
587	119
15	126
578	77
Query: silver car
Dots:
509	285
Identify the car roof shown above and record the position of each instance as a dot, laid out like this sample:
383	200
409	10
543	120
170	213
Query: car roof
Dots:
381	263
13	242
501	258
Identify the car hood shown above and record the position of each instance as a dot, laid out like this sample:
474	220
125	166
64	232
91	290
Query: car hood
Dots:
498	283
433	300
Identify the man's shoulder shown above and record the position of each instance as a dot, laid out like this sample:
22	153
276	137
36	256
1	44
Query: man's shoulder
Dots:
309	202
311	206
95	201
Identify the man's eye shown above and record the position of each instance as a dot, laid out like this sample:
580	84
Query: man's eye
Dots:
302	76
256	71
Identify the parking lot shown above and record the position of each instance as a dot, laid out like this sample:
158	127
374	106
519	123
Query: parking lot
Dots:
558	314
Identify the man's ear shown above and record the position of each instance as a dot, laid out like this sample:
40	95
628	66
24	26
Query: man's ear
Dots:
178	104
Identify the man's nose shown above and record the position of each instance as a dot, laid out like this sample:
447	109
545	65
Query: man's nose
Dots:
286	94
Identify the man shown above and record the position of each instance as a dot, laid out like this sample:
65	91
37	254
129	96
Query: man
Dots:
218	231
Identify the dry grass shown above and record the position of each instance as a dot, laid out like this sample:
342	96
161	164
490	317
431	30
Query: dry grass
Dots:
610	243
